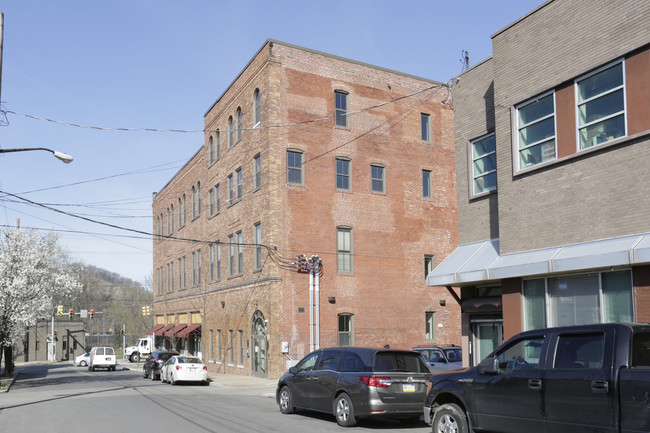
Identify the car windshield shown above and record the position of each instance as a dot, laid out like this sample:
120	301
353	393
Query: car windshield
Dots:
454	355
398	361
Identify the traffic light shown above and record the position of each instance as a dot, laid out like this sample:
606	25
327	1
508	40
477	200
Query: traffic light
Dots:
71	313
121	331
59	310
92	313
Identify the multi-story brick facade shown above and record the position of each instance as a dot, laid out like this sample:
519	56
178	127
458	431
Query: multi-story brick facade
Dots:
552	143
308	153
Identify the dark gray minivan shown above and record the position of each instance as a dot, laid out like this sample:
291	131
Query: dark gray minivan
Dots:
356	382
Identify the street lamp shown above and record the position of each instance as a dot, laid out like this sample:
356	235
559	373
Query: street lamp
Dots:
59	155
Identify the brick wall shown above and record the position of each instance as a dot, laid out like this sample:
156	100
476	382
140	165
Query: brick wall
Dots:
392	232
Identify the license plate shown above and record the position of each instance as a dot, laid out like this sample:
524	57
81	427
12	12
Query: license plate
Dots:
408	387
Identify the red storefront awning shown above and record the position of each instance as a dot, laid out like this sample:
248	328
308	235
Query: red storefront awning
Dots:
173	331
191	329
153	329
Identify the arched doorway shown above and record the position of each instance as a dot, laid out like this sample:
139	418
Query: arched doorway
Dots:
258	337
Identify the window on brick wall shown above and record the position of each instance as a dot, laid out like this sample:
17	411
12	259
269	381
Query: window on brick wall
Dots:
294	167
217	145
430	325
535	139
257	108
211	202
484	164
341	108
239	124
231	255
211	150
428	265
346	330
425	127
258	245
343	174
217	199
239	183
426	184
378	178
231	190
240	253
257	170
344	249
231	133
601	106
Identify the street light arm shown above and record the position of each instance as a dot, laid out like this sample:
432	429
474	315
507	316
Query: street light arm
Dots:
59	155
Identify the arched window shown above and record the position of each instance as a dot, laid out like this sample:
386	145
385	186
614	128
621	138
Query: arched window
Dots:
239	124
231	132
210	151
193	202
256	107
217	146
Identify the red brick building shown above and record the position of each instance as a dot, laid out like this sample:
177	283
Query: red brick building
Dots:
309	153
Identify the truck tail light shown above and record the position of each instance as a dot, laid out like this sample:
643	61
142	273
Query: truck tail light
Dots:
376	381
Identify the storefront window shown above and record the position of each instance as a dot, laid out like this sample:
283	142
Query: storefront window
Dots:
578	299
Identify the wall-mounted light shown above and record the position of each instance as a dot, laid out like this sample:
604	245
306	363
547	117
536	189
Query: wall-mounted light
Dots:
223	304
443	302
331	300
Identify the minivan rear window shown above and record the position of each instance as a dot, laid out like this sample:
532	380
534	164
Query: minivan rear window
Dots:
399	361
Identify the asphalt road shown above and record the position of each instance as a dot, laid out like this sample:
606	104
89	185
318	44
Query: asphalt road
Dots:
54	398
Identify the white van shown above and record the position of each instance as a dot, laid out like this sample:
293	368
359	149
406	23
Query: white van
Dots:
102	357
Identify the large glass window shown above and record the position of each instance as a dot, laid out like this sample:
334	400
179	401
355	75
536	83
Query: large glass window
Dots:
294	167
484	164
601	106
578	299
341	110
343	174
536	131
378	178
344	249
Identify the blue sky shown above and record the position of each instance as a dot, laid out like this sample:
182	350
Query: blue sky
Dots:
161	64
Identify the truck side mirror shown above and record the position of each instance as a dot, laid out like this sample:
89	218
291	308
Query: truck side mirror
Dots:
489	366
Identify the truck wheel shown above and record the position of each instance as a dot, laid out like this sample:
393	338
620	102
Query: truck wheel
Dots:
135	357
450	418
286	405
344	411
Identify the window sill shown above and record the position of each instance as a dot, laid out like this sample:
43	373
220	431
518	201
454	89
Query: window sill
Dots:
583	153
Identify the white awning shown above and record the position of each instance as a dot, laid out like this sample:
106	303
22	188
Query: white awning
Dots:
480	261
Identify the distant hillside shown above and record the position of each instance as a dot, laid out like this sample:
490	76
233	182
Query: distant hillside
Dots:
116	300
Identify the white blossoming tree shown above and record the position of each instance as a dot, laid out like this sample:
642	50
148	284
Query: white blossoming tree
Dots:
34	272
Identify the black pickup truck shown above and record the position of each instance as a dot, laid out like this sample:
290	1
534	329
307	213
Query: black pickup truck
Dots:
589	378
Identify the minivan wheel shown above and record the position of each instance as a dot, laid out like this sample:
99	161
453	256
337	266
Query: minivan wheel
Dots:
285	400
344	411
450	418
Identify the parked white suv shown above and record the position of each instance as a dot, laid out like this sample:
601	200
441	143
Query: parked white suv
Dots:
102	357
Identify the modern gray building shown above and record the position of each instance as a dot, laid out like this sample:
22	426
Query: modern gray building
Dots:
69	340
553	174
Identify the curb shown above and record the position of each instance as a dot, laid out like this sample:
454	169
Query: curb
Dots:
9	381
